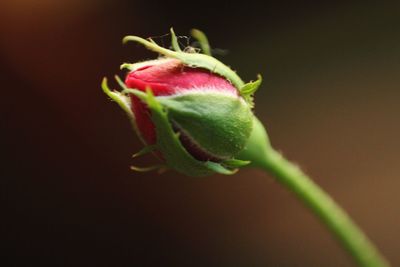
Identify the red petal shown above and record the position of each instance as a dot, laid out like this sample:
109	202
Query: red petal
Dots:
169	77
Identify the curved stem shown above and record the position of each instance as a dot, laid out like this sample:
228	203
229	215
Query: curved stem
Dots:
263	156
334	217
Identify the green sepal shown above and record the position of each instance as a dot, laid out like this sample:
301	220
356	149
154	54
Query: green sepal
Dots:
138	65
194	60
203	41
218	168
217	123
123	101
174	41
159	167
168	143
144	151
247	91
235	163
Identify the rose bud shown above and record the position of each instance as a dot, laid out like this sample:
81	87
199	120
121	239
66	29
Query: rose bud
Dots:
188	107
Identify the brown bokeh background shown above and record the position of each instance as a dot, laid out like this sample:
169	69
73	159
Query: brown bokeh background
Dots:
330	101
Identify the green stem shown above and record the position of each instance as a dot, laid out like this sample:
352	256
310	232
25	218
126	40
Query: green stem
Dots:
331	214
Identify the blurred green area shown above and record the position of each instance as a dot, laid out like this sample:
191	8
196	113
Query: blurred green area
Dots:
330	101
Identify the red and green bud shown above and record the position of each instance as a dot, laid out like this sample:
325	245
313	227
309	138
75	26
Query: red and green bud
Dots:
189	107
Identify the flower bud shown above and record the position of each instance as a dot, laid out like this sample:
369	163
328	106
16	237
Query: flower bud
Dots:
189	107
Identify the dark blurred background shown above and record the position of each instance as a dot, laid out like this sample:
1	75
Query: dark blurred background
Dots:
330	100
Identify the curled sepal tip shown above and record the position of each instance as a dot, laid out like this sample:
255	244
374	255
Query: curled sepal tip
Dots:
123	101
147	169
218	168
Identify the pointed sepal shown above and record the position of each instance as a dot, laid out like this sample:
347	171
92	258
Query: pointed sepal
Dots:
147	169
194	60
123	101
203	41
169	144
235	163
144	151
247	91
